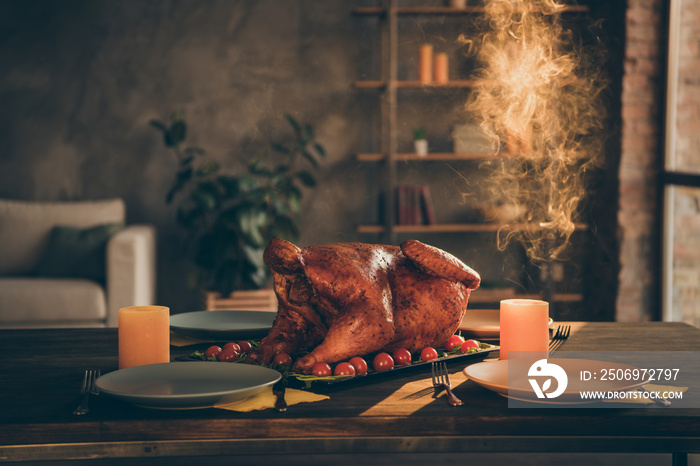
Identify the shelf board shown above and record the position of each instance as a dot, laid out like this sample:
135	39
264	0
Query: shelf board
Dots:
433	156
374	84
448	228
444	10
494	296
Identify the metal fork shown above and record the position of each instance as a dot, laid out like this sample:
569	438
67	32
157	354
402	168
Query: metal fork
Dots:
88	388
441	379
560	336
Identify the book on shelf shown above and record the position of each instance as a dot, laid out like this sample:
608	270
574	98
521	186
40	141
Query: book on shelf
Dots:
414	206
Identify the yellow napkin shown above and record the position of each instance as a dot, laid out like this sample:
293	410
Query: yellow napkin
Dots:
179	340
659	389
266	399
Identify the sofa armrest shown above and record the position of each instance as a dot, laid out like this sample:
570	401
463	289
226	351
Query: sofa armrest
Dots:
131	270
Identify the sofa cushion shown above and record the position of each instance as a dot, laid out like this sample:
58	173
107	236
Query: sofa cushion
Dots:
25	227
40	300
77	253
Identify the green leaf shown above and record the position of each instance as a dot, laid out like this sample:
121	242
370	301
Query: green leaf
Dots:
280	148
285	228
176	134
247	183
181	179
320	149
306	178
308	133
308	156
203	198
193	151
254	255
252	220
158	125
257	277
294	199
186	216
172	192
259	169
208	168
294	124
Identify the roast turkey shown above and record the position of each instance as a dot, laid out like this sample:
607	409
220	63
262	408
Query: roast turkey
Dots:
352	299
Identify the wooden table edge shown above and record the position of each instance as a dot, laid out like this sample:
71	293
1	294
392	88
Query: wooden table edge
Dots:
348	445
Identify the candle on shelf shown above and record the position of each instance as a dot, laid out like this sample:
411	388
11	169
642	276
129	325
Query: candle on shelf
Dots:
441	73
144	335
524	326
425	64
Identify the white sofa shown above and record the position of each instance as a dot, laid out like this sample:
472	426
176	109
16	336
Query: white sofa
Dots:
30	300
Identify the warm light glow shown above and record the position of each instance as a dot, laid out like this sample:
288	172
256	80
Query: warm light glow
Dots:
538	95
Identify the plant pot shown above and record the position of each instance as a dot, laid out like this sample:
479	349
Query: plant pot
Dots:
421	147
243	300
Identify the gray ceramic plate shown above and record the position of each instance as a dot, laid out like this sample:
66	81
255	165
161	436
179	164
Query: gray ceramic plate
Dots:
186	385
226	325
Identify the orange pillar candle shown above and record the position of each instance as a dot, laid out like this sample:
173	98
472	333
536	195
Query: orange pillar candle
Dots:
144	335
524	326
441	74
425	64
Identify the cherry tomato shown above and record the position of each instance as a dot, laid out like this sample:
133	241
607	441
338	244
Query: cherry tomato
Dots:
453	342
469	344
233	345
359	364
212	352
283	359
428	354
321	369
228	355
402	357
245	346
344	368
383	362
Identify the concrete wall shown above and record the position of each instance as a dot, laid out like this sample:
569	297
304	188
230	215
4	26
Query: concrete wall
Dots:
639	214
81	79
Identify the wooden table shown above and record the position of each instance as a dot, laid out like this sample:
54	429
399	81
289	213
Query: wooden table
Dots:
41	371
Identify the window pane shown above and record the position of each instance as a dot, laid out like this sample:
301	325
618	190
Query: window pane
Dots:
685	156
684	233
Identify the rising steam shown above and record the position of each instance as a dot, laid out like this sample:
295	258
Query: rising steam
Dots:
538	96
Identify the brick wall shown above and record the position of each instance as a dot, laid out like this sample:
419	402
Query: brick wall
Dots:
686	157
641	138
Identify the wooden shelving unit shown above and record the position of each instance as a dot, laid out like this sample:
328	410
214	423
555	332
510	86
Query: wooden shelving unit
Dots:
486	295
463	83
388	156
433	156
445	10
451	228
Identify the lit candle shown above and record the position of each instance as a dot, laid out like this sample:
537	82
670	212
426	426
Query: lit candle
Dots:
425	64
144	335
441	74
524	326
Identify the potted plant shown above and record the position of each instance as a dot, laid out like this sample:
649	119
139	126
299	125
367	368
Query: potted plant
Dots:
419	142
230	217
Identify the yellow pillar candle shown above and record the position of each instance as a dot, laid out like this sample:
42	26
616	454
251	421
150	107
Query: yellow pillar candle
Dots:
425	64
524	326
441	72
144	335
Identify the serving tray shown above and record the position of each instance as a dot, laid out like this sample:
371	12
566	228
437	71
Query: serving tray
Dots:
307	381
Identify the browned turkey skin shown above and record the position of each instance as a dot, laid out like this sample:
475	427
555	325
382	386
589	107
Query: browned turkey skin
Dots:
351	299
